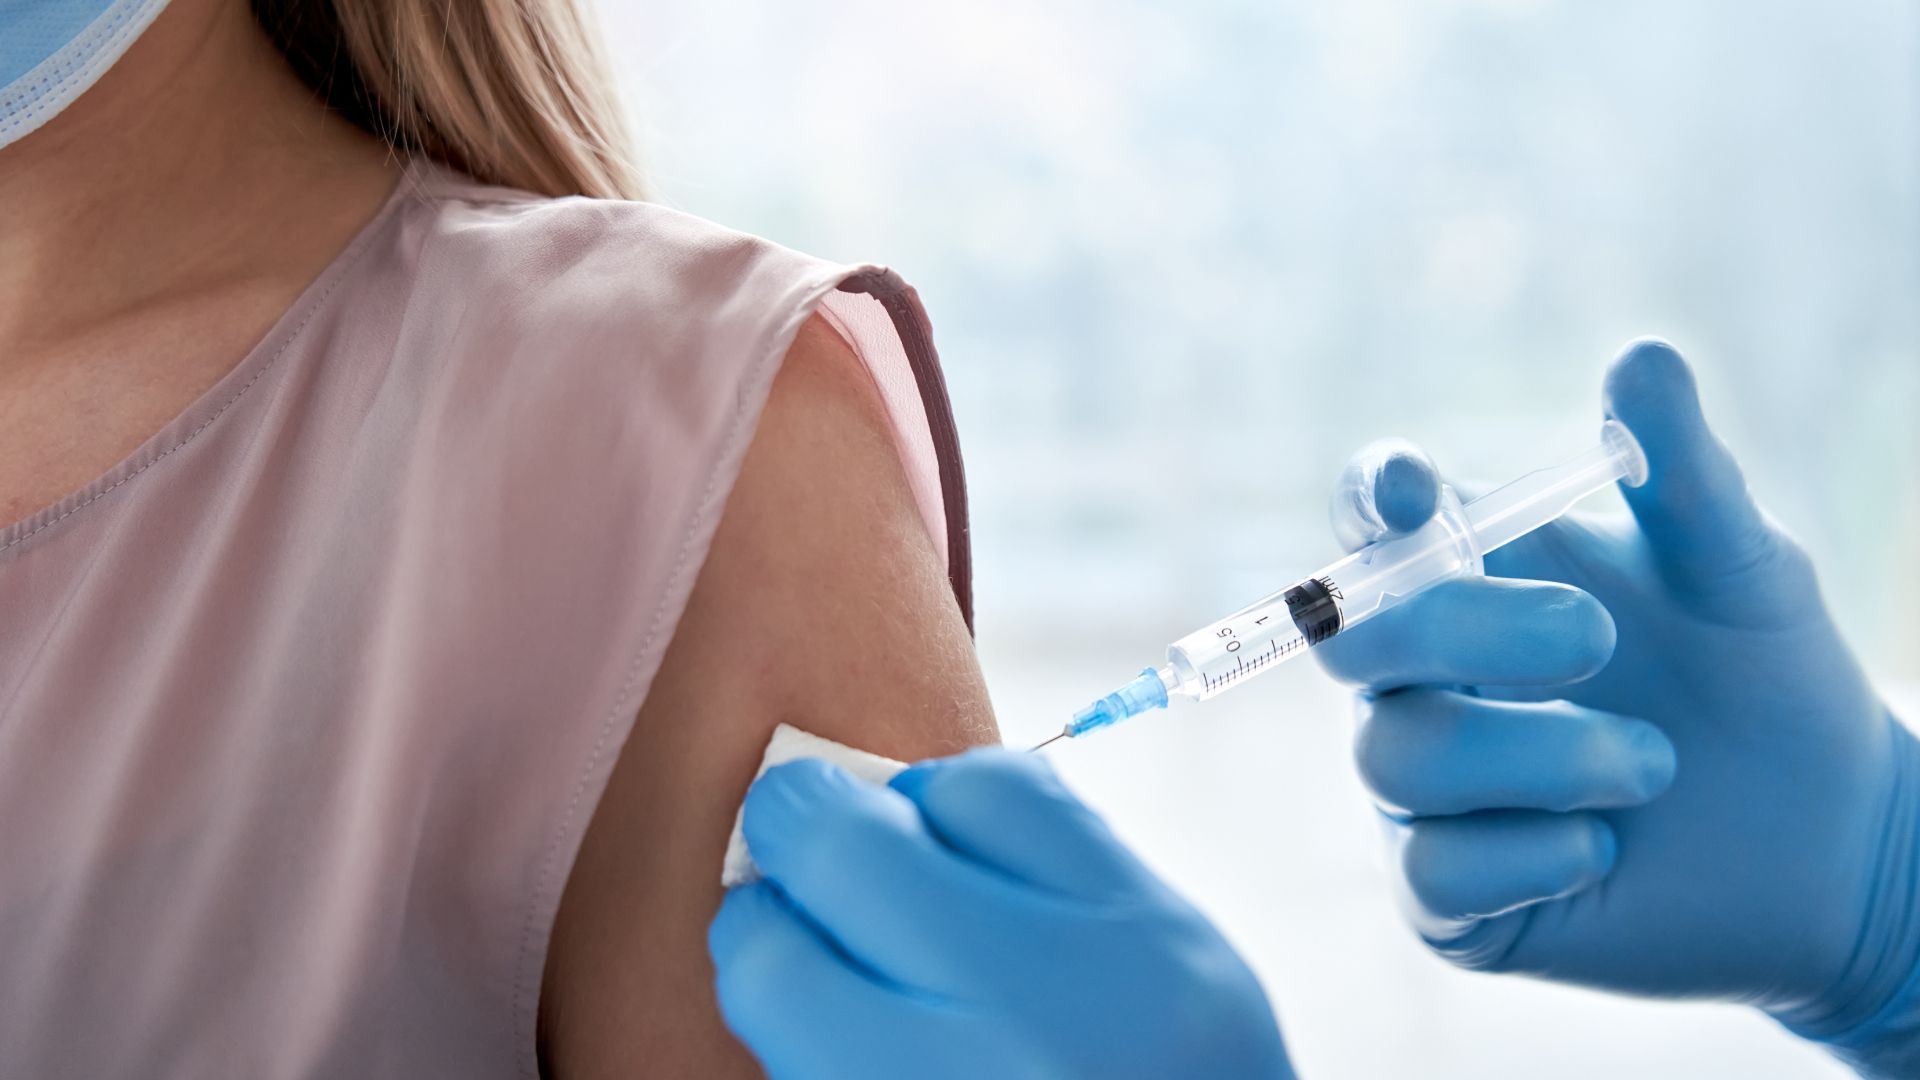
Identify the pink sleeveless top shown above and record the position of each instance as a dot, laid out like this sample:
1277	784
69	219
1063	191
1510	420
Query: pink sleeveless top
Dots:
305	705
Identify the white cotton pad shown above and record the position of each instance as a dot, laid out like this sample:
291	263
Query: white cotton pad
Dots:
789	742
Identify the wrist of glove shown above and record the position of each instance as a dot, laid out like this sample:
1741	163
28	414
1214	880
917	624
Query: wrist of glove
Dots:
1871	1017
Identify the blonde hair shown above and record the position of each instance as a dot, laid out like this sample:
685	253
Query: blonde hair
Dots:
513	92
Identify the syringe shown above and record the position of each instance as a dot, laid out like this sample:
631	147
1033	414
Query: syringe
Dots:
1285	624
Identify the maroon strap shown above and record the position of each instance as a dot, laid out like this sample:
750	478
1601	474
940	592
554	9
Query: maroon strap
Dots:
916	335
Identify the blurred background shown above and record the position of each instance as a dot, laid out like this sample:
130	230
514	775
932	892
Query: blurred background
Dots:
1183	259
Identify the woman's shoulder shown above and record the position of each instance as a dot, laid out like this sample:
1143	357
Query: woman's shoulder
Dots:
541	253
586	335
552	319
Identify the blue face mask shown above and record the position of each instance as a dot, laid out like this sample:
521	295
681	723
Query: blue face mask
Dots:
52	50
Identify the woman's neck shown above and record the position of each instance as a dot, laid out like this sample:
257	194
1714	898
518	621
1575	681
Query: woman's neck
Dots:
197	161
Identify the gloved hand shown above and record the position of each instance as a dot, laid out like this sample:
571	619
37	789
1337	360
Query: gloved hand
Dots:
1523	733
973	919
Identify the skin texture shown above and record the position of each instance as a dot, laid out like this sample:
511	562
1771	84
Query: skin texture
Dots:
146	245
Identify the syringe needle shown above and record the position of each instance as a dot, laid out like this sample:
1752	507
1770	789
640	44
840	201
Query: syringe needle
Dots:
1048	743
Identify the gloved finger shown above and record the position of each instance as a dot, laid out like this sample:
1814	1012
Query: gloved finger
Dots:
1478	865
1389	487
1432	752
858	860
789	994
1010	811
1477	630
1704	528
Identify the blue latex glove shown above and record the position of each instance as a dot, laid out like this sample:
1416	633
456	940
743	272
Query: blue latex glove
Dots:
973	919
1524	737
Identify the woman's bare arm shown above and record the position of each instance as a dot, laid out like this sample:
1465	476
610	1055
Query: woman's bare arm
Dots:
822	604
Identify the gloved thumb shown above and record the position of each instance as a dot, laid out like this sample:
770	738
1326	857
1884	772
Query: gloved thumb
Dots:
1707	535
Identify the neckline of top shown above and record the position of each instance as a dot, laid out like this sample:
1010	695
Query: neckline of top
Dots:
230	388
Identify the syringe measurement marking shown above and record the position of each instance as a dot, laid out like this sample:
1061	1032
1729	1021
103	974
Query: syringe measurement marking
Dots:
1276	649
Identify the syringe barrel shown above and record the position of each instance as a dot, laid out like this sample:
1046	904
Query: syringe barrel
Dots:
1284	624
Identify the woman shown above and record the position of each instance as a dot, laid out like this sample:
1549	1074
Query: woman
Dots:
380	674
